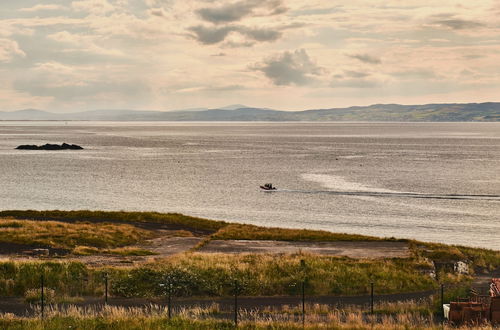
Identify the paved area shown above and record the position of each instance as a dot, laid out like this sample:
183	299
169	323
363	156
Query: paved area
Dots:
359	249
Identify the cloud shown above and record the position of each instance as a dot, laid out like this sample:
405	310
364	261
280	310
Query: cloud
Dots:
160	12
354	83
9	49
356	74
289	68
261	34
41	7
366	58
212	35
458	24
96	7
415	74
236	11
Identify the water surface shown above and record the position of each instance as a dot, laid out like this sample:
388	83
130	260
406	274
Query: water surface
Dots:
430	181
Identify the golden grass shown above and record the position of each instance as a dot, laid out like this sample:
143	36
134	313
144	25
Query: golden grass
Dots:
154	317
69	236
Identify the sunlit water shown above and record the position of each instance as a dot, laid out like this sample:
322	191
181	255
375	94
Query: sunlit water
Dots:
430	181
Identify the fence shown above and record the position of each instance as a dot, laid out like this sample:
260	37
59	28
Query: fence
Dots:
173	299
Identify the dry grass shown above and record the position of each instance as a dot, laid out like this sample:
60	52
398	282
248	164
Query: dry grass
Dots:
71	235
154	317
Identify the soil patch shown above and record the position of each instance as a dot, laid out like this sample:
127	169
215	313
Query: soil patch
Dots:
357	249
26	249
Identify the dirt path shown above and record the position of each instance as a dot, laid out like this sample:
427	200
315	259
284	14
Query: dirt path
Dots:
355	249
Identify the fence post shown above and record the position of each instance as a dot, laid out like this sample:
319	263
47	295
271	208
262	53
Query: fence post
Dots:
371	297
442	300
169	292
105	288
42	295
303	303
236	288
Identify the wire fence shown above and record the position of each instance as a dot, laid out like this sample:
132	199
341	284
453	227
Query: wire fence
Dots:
172	299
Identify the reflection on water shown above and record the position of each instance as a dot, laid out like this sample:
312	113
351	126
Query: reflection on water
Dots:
429	181
392	194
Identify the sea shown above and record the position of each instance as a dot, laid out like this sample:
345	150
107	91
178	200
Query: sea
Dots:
436	182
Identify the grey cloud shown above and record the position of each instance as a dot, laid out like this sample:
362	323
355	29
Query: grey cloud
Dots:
458	24
209	35
366	58
414	74
261	34
317	11
237	10
289	68
212	35
157	12
356	74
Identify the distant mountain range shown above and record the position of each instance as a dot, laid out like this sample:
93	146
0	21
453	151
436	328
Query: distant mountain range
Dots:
378	112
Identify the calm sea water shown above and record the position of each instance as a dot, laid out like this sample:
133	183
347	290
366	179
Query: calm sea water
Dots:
429	181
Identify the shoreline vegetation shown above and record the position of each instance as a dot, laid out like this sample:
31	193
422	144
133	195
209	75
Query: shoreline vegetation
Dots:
199	274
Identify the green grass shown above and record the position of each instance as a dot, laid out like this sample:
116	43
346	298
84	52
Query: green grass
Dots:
251	232
478	258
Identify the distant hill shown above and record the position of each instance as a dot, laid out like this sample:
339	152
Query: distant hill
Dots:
378	112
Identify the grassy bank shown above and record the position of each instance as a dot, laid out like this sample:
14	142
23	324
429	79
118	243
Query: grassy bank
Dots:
214	275
209	274
251	232
153	217
69	236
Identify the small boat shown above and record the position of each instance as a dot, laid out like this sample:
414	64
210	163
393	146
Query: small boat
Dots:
268	186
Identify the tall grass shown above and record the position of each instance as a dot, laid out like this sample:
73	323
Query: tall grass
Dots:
57	234
154	317
213	275
154	217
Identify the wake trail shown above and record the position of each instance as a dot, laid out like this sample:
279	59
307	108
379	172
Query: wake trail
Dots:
395	194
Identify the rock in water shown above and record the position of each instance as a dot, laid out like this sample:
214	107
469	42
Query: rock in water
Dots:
48	146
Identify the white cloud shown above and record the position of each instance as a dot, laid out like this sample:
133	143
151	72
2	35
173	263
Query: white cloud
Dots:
167	47
41	7
96	7
9	49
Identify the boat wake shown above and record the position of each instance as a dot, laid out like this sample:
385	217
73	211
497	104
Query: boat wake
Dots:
395	194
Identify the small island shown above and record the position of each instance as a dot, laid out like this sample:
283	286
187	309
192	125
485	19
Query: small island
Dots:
48	146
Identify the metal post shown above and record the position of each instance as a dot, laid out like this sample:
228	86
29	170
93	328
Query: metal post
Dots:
236	303
303	303
105	288
42	296
371	297
442	299
169	291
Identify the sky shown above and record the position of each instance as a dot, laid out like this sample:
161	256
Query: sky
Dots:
68	56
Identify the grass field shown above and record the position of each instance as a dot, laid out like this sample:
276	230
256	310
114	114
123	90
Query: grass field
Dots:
196	274
154	317
213	274
70	235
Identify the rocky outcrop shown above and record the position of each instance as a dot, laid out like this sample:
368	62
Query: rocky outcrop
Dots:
48	146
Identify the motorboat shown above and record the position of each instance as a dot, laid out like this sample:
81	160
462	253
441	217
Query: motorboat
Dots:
268	187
